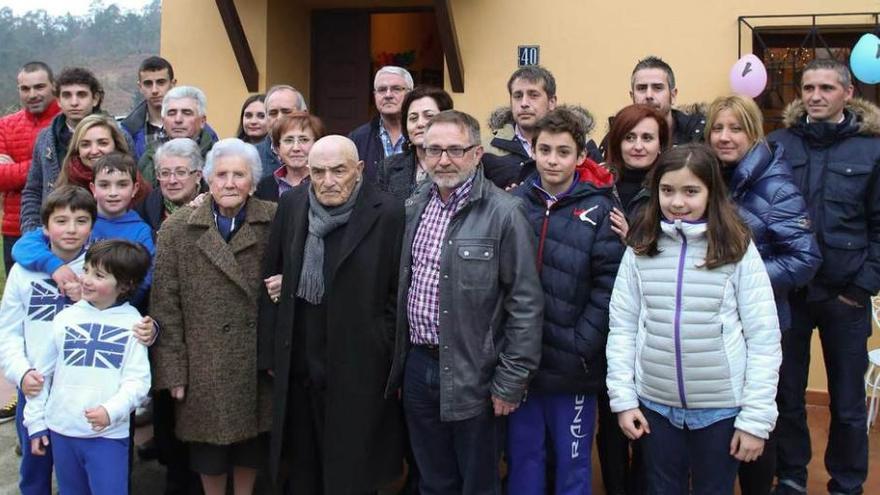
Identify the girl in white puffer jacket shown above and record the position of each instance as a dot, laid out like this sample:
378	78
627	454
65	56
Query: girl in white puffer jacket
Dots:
694	344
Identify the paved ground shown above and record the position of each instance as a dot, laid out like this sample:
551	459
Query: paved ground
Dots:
149	477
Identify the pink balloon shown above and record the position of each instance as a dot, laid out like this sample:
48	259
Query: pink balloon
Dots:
748	76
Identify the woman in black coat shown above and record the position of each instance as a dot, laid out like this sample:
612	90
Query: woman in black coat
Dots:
333	429
637	137
400	174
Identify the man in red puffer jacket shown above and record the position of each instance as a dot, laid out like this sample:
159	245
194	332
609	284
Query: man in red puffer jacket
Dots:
18	131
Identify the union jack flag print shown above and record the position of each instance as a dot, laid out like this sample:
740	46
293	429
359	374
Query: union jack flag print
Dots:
45	301
94	345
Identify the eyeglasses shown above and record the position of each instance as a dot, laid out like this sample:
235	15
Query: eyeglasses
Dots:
294	140
451	152
394	89
179	173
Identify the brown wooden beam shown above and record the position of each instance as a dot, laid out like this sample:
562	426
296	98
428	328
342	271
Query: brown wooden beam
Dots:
240	46
449	40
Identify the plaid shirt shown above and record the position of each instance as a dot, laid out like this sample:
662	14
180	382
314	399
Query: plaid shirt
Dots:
423	301
389	147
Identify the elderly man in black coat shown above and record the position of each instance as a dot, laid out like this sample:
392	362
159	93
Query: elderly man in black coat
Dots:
327	329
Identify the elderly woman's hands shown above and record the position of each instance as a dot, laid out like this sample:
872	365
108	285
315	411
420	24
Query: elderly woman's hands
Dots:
273	287
145	331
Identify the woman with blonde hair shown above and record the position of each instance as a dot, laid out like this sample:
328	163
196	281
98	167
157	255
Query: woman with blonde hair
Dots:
760	183
94	137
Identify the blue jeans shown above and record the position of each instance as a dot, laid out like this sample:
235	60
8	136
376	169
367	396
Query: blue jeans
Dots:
35	471
682	461
844	332
562	424
8	241
90	466
454	457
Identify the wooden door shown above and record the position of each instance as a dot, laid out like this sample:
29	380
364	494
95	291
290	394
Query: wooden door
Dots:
341	79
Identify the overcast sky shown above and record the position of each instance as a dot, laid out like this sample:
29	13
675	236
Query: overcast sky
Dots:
61	7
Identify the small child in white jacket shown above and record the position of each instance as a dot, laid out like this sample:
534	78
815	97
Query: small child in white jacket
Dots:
694	344
97	373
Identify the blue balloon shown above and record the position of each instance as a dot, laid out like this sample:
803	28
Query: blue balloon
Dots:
865	59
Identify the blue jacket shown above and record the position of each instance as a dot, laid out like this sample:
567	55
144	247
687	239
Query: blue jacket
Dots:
32	250
578	256
837	169
268	157
370	148
775	211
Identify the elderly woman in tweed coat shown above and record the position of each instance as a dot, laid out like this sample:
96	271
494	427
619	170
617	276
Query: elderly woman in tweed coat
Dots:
205	292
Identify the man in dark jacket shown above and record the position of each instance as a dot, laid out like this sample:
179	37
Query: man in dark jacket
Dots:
509	158
155	78
831	143
653	84
469	318
327	331
382	136
281	99
183	116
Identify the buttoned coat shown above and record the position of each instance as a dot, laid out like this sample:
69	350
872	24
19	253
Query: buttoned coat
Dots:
362	447
204	295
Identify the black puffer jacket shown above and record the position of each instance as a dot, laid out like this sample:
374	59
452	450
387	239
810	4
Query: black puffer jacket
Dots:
578	256
837	169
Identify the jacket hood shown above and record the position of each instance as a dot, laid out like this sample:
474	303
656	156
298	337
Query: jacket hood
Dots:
592	172
698	108
503	116
867	113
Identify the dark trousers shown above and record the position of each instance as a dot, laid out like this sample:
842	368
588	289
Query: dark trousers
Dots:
683	461
843	331
454	457
35	472
622	471
305	427
8	241
756	477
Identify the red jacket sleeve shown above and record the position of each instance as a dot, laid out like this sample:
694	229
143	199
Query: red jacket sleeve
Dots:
12	175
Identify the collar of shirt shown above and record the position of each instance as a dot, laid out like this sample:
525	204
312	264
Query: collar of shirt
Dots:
526	144
551	198
390	148
458	196
842	118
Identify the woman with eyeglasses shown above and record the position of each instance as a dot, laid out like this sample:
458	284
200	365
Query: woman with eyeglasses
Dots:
294	136
179	165
400	174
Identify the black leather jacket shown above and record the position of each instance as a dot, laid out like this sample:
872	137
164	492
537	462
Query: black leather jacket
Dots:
491	301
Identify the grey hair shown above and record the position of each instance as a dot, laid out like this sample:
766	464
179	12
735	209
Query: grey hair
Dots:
181	92
302	107
844	76
184	148
464	121
235	147
397	71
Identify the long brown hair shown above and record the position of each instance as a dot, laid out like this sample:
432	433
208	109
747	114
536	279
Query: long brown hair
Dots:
728	236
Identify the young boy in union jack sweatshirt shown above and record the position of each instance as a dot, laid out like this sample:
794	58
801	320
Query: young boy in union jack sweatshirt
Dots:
31	300
96	372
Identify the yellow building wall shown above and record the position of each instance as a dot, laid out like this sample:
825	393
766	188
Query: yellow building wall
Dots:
590	46
195	42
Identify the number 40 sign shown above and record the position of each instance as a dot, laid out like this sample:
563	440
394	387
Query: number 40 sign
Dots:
528	54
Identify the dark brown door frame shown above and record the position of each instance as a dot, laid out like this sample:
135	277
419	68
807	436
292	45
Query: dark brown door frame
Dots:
240	46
